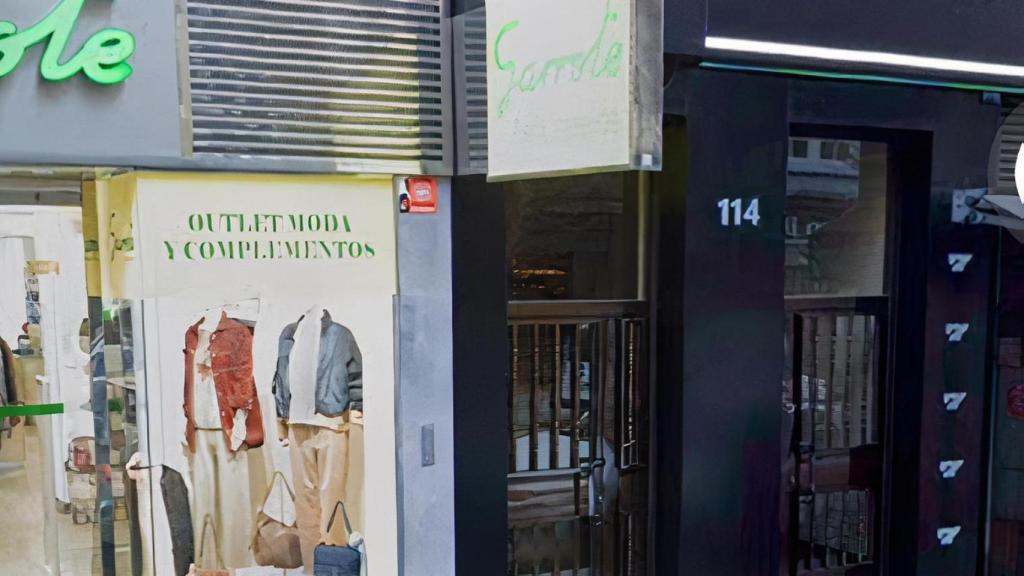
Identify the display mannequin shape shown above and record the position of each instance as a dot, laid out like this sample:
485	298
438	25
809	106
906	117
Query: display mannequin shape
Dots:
223	422
318	391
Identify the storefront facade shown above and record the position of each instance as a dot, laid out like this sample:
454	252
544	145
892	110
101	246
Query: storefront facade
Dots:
555	145
748	338
818	326
879	444
855	429
213	159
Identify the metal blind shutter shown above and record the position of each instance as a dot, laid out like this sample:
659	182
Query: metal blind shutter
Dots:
1008	142
471	74
357	82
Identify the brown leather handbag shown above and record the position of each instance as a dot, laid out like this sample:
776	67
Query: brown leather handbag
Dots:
273	542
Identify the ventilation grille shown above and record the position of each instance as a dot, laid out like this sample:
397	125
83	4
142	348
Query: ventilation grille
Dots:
357	82
471	72
1008	141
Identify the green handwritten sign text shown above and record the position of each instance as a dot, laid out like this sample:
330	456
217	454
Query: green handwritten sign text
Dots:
102	59
603	59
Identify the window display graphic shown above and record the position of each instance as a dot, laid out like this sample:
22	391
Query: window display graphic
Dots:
267	338
319	392
223	421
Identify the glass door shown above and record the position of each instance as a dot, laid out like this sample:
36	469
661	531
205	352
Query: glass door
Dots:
63	435
578	406
32	412
838	222
835	477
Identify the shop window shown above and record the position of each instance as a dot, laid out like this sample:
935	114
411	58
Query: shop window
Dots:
1006	515
573	238
836	218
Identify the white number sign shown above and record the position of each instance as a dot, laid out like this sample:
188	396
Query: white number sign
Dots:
734	213
949	468
958	262
955	331
953	400
947	535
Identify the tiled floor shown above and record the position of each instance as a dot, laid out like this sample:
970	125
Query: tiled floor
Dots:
22	533
21	528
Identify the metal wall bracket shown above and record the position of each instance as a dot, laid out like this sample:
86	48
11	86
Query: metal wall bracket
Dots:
964	203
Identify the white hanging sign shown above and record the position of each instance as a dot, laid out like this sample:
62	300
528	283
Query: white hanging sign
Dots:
571	87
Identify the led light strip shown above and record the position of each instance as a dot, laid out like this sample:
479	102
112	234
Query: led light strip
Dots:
863	77
862	56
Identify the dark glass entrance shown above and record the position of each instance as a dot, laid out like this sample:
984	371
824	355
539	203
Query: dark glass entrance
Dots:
836	286
578	439
835	489
578	395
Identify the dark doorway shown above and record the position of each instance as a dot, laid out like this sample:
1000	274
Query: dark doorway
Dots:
838	351
852	208
578	393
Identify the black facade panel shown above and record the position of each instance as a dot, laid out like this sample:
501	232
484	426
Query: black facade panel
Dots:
971	32
480	365
721	313
967	30
719	456
961	130
684	26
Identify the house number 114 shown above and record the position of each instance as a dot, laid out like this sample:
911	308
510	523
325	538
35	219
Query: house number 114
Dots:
734	213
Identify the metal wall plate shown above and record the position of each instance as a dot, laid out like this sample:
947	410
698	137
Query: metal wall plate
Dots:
963	205
427	445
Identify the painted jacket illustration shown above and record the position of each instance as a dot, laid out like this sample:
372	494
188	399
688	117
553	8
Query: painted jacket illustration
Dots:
231	359
339	373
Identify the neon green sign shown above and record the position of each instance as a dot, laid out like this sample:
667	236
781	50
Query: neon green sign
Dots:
102	59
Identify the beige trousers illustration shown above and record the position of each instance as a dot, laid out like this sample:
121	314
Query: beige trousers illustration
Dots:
220	491
356	474
320	459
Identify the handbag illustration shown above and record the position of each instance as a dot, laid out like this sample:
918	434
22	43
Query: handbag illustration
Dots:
275	543
341	560
195	570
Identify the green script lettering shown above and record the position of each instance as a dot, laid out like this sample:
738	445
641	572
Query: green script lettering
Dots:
102	59
603	59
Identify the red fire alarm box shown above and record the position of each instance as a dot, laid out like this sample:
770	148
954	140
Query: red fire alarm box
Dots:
422	196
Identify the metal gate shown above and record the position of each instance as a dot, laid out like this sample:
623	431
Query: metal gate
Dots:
578	439
838	372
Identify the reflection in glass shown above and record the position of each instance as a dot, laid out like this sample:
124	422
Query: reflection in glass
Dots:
573	238
835	224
